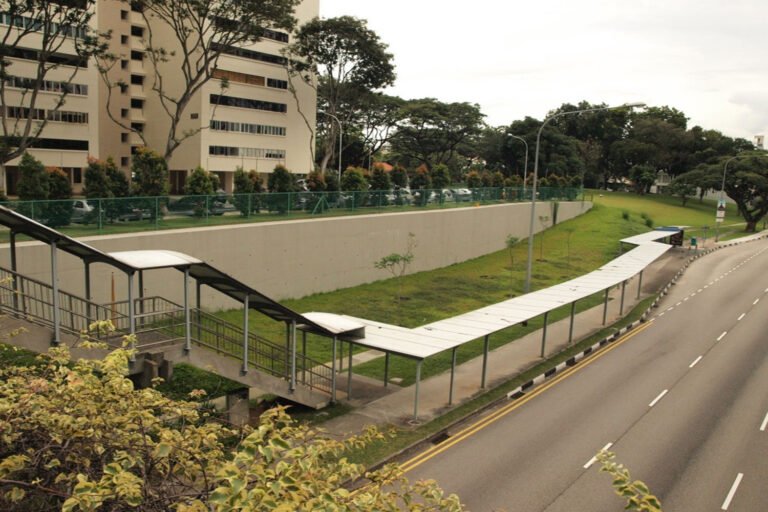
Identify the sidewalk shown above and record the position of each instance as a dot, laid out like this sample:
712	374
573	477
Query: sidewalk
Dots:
397	404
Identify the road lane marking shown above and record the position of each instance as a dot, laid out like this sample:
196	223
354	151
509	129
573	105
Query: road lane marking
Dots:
700	290
679	303
741	317
671	308
594	459
696	361
435	450
765	424
766	290
656	400
686	299
756	301
722	335
662	314
732	493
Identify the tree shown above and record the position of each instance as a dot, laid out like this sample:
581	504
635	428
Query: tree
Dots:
104	181
440	176
345	61
58	210
643	176
78	436
746	183
150	173
50	27
201	182
683	187
354	181
422	182
510	243
33	180
432	131
246	184
399	176
380	185
397	264
186	38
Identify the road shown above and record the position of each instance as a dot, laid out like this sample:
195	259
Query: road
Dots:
682	401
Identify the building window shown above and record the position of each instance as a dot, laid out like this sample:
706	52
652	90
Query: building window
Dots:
124	39
137	80
272	154
232	101
123	87
64	59
137	31
137	103
63	116
136	55
277	84
139	127
256	129
123	64
123	15
63	144
194	115
123	137
242	78
77	175
21	82
123	112
250	54
275	35
125	161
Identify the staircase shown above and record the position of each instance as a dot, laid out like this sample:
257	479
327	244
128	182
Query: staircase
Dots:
216	345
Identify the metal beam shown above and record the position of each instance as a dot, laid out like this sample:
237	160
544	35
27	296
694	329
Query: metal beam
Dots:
416	398
14	269
386	369
141	296
544	334
187	323
349	372
605	307
293	356
639	285
198	287
87	270
246	336
570	330
623	289
333	370
131	314
56	305
453	374
485	360
304	358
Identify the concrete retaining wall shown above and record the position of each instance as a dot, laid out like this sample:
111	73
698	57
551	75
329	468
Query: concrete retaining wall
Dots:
299	257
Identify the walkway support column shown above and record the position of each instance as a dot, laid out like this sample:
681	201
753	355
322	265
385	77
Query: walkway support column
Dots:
131	314
292	387
453	374
304	357
485	361
87	269
639	285
544	334
623	289
16	287
141	296
246	334
386	369
56	305
416	398
605	307
187	322
573	315
198	288
349	373
333	370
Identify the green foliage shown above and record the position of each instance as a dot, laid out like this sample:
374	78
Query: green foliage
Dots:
625	214
354	180
281	180
201	182
96	181
397	265
58	211
399	176
246	185
474	180
150	173
78	436
380	179
497	179
422	182
440	176
103	180
33	180
636	493
643	176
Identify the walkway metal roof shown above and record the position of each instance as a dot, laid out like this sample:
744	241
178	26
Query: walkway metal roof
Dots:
428	340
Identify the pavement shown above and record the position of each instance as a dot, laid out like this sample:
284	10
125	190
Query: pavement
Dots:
394	405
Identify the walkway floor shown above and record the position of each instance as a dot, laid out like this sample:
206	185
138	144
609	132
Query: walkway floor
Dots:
397	406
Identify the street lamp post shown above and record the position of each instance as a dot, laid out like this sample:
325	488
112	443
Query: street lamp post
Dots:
720	197
536	174
525	166
340	141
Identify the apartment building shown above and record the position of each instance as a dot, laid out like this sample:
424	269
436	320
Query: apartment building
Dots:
256	122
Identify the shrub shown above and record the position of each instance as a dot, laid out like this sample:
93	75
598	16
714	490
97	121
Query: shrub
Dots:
441	176
33	180
380	185
473	180
280	183
423	183
625	214
58	211
150	173
399	176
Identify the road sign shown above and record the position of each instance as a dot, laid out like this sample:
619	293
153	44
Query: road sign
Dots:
720	216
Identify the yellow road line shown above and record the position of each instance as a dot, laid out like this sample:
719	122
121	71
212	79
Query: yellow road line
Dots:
503	411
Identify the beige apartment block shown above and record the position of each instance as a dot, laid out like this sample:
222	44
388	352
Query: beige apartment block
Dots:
254	123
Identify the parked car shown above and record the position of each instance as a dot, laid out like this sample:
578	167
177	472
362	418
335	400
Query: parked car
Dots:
81	210
200	205
462	194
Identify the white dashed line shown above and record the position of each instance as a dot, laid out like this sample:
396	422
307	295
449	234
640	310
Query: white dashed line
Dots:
686	299
696	362
756	301
662	314
656	400
679	303
594	459
722	335
700	290
741	317
671	308
732	492
765	424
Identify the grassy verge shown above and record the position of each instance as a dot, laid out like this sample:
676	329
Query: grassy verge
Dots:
186	378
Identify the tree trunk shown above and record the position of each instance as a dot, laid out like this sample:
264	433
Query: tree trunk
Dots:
751	226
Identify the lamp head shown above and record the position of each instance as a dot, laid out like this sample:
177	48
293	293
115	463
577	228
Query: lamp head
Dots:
638	104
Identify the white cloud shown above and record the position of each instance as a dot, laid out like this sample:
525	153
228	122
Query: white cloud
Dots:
516	59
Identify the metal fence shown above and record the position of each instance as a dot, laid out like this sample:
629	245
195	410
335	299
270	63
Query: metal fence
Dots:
139	213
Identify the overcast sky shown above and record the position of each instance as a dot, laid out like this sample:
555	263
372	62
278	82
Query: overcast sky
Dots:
704	57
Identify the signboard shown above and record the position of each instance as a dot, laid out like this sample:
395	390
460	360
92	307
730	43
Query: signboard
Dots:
676	239
720	216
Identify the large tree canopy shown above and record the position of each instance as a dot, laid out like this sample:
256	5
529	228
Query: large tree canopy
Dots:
346	61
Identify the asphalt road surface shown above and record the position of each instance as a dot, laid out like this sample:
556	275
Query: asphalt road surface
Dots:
682	401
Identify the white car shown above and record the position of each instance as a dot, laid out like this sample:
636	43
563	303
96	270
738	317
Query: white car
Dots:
80	209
